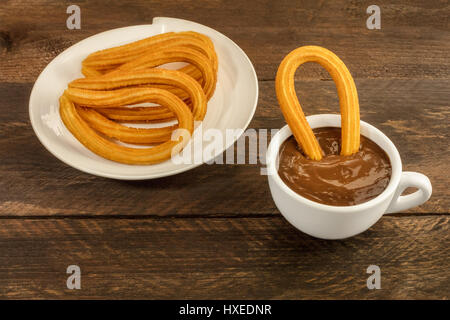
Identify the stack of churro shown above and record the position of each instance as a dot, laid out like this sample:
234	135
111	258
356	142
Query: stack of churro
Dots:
96	107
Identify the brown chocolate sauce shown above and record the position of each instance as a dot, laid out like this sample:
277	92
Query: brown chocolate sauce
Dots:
335	180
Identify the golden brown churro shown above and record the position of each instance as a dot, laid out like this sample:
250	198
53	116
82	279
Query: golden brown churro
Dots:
124	133
112	151
291	108
109	60
138	114
88	91
178	54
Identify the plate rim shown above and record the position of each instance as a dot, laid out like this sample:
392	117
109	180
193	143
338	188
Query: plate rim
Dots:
44	141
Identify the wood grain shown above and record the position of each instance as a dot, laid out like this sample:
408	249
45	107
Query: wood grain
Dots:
214	232
243	258
414	41
36	183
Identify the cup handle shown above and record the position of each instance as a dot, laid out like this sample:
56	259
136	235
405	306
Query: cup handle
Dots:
410	179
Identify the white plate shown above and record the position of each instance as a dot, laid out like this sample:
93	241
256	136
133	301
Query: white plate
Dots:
231	107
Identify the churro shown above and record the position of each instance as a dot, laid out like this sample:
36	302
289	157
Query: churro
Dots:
119	80
176	54
124	133
112	151
98	91
291	108
138	114
110	60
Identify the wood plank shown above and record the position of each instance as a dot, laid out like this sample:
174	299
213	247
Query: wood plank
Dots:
214	232
248	258
413	113
414	40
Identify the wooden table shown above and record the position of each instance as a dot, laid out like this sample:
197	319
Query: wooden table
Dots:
214	232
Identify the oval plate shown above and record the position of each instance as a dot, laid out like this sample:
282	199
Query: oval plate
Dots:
231	107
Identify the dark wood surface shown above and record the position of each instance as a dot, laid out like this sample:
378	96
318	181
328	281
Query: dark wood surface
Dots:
238	258
214	232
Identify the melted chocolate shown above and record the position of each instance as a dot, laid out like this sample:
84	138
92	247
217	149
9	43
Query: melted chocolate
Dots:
335	180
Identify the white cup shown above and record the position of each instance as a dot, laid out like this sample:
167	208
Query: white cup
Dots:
339	222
